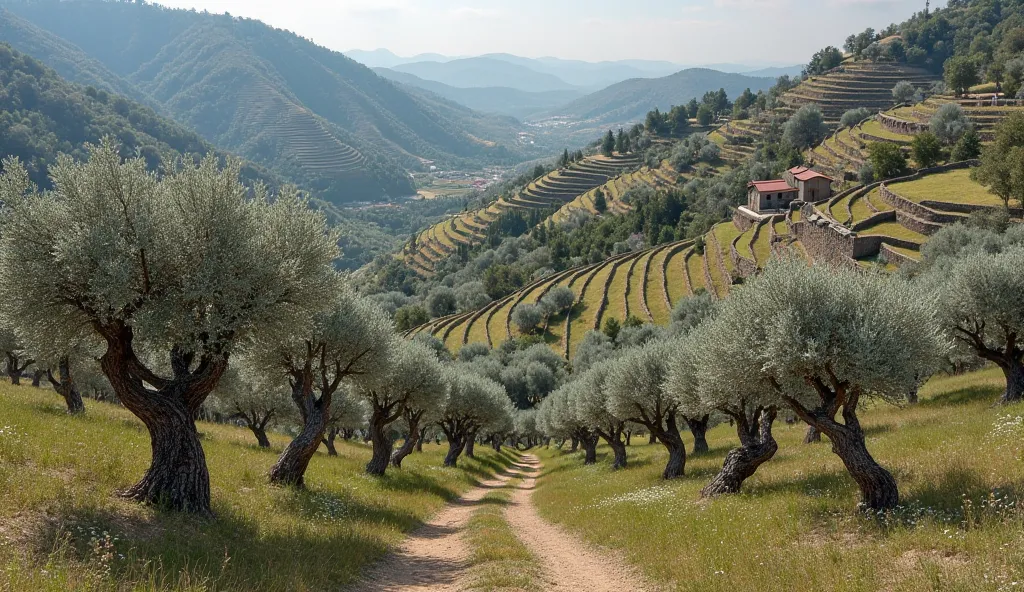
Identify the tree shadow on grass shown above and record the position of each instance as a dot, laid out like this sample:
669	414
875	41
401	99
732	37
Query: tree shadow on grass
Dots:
964	396
947	492
414	482
227	552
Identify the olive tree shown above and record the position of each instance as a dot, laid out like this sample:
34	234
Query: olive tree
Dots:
181	270
254	397
411	378
351	339
717	377
949	123
348	414
591	407
526	317
473	402
981	304
903	93
557	417
806	127
16	360
558	300
634	391
825	339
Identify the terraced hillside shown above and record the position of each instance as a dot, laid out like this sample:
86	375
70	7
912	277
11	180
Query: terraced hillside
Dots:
851	86
846	150
550	192
616	187
889	222
880	224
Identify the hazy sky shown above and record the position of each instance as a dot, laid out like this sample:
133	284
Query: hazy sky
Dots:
682	31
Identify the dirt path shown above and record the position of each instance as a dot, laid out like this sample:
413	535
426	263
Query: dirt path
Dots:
434	556
566	563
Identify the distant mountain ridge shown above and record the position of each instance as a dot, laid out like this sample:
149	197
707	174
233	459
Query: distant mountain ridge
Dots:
315	116
484	72
631	100
502	100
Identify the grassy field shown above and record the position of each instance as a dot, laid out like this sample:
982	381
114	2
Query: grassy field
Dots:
958	461
952	187
895	230
61	528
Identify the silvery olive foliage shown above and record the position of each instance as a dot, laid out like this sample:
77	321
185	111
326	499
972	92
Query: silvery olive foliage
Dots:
634	384
189	260
409	376
795	325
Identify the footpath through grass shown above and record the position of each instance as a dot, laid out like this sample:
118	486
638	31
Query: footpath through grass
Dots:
958	461
500	561
61	528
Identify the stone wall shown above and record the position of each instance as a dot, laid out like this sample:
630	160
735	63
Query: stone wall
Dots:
916	210
743	220
901	126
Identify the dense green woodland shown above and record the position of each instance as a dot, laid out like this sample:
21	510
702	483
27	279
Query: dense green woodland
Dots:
238	81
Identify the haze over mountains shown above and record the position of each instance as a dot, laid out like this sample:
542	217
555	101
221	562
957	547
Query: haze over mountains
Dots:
531	88
312	115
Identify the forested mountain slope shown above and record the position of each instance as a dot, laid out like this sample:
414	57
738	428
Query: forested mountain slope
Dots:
319	118
632	99
43	115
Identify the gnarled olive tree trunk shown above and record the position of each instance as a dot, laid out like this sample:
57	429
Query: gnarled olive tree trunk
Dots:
290	468
260	432
1013	370
699	429
812	435
419	440
455	446
613	435
177	477
14	369
878	488
382	447
470	447
757	446
589	441
670	439
329	437
412	439
65	387
37	377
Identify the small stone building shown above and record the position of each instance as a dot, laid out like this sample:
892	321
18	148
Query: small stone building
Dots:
766	196
798	183
813	186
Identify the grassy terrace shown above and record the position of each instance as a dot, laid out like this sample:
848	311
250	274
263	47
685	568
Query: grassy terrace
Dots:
725	232
763	245
861	211
674	275
780	227
794	527
915	255
719	283
838	210
895	230
63	529
695	269
583	317
655	301
952	187
874	128
637	285
616	290
874	196
496	326
478	330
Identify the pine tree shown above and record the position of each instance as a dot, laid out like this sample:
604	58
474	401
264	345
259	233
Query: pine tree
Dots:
600	203
564	161
620	142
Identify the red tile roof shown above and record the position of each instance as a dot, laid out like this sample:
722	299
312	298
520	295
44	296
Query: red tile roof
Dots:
771	186
806	174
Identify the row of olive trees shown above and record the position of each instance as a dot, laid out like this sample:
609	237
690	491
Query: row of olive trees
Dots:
170	278
812	340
